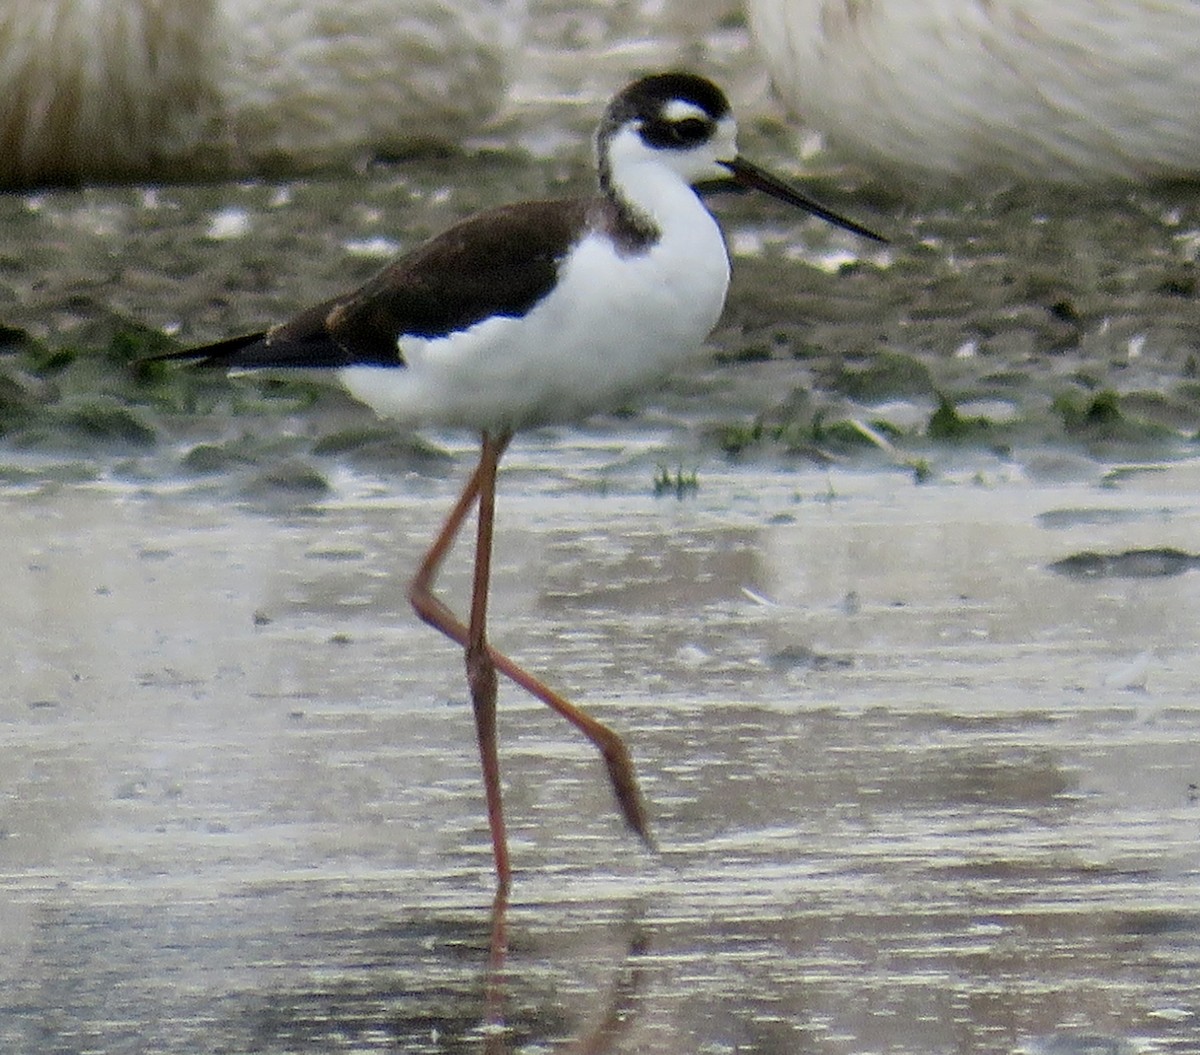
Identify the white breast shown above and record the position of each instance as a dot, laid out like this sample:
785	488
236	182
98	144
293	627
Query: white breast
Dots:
613	326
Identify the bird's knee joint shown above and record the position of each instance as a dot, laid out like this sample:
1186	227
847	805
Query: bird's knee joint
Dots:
481	673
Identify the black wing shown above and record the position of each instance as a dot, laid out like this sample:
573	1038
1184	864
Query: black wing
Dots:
500	262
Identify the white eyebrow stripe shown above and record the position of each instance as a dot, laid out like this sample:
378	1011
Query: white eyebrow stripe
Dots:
682	110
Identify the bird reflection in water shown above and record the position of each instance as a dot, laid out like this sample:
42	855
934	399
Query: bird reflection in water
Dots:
452	982
617	1014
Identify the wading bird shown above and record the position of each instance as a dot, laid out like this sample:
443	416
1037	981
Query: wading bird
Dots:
534	313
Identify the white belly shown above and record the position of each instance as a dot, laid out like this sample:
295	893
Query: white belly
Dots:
612	327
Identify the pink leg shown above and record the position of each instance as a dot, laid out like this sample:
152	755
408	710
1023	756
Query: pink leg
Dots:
481	672
483	661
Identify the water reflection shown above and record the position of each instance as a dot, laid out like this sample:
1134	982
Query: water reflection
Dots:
241	807
449	983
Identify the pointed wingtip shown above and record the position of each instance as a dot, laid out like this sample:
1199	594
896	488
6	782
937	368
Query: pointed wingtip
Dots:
221	354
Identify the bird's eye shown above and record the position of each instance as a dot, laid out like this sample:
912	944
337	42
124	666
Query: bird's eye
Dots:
690	130
681	134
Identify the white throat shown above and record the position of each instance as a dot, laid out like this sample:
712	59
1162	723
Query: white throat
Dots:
648	182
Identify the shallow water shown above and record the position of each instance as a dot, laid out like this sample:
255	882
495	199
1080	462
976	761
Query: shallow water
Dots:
914	792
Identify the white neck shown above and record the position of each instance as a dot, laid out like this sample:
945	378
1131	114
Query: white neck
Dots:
647	183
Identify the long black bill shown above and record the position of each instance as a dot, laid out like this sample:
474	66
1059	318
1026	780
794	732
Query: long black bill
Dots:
752	176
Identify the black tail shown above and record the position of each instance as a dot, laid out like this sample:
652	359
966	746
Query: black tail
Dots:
273	349
314	339
233	352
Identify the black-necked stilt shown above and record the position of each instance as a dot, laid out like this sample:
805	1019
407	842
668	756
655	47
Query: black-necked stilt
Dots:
539	312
